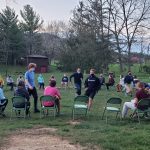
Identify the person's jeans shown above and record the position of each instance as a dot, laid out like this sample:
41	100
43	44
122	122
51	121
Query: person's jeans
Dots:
41	85
78	88
127	106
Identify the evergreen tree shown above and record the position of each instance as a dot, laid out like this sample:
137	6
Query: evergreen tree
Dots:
11	36
31	24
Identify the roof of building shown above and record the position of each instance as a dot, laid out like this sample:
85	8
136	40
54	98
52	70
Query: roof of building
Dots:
36	56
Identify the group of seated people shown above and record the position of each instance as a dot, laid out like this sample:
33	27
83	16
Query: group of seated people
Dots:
142	91
22	91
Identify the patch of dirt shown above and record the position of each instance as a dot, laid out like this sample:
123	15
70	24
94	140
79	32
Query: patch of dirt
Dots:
74	122
38	138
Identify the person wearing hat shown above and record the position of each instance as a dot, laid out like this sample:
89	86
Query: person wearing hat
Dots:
30	84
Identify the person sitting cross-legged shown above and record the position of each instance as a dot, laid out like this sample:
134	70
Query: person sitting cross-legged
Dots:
64	81
110	82
51	90
140	94
22	91
10	82
3	100
101	80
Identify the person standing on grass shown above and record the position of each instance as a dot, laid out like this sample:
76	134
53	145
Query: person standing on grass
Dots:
92	86
29	81
78	77
40	81
3	100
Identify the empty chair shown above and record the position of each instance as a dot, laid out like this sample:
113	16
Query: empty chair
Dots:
80	103
112	105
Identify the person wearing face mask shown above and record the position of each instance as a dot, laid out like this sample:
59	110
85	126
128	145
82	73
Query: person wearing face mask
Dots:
30	84
78	77
92	86
20	78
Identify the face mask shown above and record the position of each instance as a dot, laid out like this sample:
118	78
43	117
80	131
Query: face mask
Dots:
33	69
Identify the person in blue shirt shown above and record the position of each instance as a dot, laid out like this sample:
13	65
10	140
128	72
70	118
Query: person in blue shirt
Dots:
92	86
41	81
78	77
3	100
30	84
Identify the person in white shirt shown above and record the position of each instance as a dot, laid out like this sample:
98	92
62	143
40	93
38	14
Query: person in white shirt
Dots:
10	82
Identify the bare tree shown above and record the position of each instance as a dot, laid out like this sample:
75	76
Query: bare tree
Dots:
53	35
135	15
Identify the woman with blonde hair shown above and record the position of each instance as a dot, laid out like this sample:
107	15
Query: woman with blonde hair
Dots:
141	93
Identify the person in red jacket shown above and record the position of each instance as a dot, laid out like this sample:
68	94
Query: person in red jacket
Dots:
110	82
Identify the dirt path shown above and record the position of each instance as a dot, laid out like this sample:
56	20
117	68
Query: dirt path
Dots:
38	139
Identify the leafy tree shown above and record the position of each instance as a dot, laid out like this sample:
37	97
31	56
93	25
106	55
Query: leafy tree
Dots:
89	45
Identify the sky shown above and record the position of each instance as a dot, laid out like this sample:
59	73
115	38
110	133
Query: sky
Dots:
48	10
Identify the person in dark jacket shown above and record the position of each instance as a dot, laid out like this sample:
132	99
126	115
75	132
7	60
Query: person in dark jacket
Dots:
128	81
21	91
78	77
92	86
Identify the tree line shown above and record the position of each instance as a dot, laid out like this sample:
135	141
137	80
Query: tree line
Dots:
100	32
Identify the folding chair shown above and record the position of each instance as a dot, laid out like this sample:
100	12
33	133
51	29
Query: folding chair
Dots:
80	103
44	108
19	105
112	105
143	107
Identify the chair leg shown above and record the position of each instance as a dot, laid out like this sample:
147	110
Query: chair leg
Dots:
86	112
11	114
73	113
54	113
24	113
103	113
106	117
138	117
117	115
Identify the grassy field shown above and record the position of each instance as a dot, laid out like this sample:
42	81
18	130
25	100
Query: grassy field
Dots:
116	135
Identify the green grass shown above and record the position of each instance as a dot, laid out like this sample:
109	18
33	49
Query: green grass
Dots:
116	135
